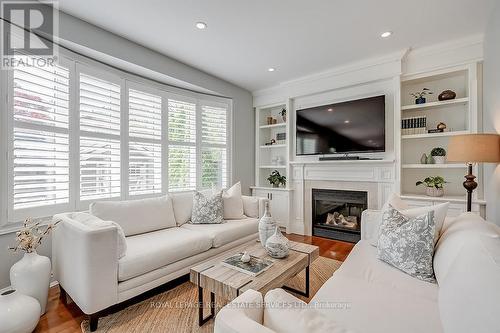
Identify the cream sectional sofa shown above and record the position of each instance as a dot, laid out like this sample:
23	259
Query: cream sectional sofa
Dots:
97	268
368	295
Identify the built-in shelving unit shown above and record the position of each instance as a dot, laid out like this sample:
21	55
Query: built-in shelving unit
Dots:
270	157
460	116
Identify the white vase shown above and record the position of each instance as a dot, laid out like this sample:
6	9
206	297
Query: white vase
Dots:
434	192
267	226
439	159
277	245
31	276
18	313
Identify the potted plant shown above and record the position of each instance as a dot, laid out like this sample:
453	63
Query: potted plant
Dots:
276	179
419	96
282	113
439	155
434	186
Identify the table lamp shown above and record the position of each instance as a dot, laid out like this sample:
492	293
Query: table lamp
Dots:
473	148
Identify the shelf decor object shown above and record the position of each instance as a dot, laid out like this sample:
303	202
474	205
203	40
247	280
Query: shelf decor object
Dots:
447	95
439	155
419	96
434	186
473	148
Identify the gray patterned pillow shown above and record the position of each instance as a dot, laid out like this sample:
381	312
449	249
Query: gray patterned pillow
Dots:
408	243
207	210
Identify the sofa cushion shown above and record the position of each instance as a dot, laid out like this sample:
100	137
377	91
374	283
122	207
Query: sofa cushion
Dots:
137	216
407	243
365	287
95	222
207	209
152	250
364	306
226	232
362	263
233	203
472	284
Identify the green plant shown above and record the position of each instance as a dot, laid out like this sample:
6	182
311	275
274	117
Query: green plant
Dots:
282	112
437	182
276	179
438	151
422	93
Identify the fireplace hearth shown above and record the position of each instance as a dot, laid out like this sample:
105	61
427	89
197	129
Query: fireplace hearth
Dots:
336	214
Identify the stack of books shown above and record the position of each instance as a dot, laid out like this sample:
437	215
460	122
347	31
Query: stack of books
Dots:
414	125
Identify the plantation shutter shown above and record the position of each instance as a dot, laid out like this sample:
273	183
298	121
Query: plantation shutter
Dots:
181	145
144	143
99	138
214	145
40	147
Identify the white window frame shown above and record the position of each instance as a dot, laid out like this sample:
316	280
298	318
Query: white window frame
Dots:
77	64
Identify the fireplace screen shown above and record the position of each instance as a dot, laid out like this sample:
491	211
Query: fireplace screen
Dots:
337	213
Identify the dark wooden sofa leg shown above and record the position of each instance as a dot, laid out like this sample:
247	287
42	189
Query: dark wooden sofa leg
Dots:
93	322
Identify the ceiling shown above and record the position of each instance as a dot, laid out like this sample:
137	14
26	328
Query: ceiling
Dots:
297	37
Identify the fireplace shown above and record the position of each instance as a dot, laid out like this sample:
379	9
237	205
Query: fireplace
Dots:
336	214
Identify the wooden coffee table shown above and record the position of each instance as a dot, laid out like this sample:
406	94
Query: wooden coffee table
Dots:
230	283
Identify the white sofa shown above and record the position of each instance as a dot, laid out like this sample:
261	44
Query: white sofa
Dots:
160	246
371	296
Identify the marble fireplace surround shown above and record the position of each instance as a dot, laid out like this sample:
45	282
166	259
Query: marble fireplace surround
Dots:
376	177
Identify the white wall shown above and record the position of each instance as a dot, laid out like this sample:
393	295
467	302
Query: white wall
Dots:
127	53
491	113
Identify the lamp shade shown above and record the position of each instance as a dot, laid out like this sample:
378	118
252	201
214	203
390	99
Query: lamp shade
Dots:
474	148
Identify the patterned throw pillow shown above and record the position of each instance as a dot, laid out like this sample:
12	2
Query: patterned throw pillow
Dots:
408	243
207	210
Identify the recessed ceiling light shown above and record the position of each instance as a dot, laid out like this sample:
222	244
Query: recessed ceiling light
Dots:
386	34
347	121
330	110
271	69
201	25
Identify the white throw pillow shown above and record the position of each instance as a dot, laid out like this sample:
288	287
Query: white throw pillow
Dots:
137	216
95	222
233	203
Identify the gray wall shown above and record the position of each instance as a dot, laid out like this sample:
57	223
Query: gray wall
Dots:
243	160
491	111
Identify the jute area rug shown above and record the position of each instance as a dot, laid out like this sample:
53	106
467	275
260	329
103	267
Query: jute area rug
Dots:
176	310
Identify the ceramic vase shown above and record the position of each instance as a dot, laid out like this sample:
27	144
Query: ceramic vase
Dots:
18	313
434	192
430	160
267	226
31	276
439	159
277	245
423	159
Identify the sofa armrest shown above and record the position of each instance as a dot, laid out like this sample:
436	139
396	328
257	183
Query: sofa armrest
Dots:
253	206
243	315
370	221
85	262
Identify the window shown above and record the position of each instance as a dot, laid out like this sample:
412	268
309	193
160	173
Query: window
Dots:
144	143
213	146
99	138
181	145
40	142
80	131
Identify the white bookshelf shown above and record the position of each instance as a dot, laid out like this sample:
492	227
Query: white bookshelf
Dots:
266	160
461	117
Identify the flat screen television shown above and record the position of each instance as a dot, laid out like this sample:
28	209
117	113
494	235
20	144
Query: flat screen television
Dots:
349	127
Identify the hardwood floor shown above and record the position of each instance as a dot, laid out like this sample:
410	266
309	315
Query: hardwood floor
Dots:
66	318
